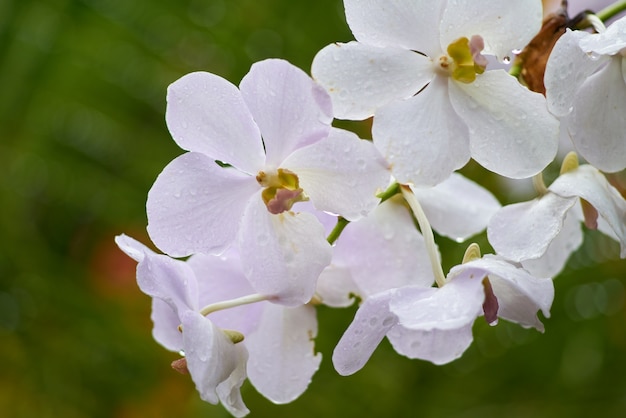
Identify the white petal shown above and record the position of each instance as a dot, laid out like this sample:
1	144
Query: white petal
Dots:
336	287
211	355
282	255
511	131
567	69
290	109
372	321
229	391
282	352
523	231
520	295
165	330
437	346
407	24
384	251
341	174
361	78
196	205
552	262
422	137
207	114
504	25
591	185
609	42
455	305
597	123
133	248
457	208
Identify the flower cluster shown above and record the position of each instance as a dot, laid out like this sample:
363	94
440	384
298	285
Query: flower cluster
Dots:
272	210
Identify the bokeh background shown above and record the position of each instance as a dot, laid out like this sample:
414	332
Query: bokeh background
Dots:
82	138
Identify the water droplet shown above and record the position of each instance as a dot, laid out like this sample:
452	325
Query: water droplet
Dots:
506	60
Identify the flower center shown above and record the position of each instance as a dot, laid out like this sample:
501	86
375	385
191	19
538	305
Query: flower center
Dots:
463	60
281	190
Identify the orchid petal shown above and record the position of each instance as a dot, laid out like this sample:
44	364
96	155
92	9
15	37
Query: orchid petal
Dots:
523	231
170	280
384	251
196	205
588	183
497	109
289	108
610	42
335	287
457	208
407	24
211	355
372	321
552	262
451	307
282	255
229	391
437	346
597	123
165	330
133	248
361	78
282	352
207	114
341	174
503	25
567	69
422	137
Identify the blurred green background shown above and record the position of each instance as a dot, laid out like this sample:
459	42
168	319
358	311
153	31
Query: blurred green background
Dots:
82	100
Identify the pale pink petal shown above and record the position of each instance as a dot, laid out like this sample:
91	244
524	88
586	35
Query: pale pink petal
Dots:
520	295
282	255
341	174
552	262
335	287
361	78
384	251
211	356
408	24
457	208
588	183
229	391
133	248
523	231
597	123
451	307
504	25
609	42
423	138
207	114
289	108
511	131
196	205
437	346
372	321
282	352
567	69
165	330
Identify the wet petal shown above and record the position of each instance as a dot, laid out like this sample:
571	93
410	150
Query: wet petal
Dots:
335	287
600	140
229	391
341	174
165	330
503	25
284	254
437	346
423	138
361	78
282	352
196	205
407	24
372	321
207	114
457	208
523	231
289	108
609	42
511	131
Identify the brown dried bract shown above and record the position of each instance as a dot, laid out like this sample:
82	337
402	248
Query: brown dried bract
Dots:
180	366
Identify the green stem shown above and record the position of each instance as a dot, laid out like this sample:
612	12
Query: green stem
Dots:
337	230
391	191
612	10
245	300
427	233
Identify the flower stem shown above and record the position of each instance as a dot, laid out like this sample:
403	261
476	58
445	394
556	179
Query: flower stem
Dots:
427	233
233	303
610	11
391	191
337	230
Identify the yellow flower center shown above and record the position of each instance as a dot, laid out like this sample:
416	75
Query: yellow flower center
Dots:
281	190
463	60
